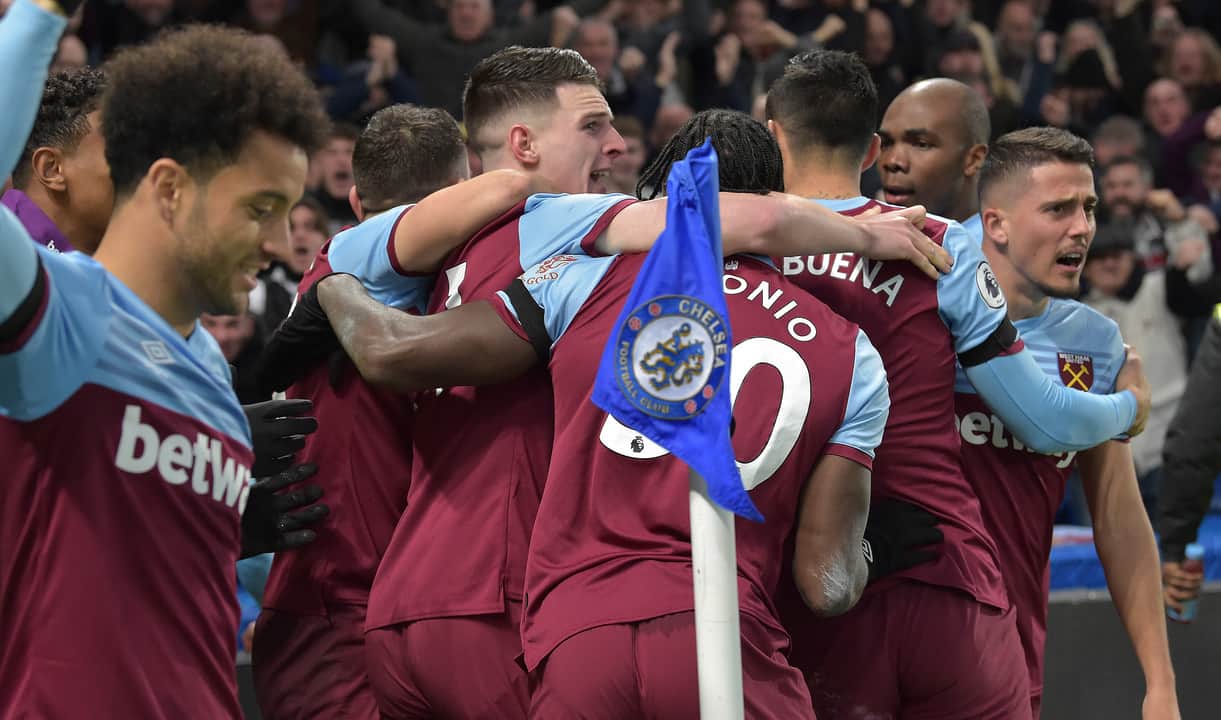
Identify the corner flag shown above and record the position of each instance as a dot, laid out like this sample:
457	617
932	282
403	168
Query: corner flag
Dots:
664	370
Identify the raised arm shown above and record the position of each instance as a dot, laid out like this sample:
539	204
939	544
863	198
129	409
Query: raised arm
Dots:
778	225
1129	558
29	36
469	345
449	217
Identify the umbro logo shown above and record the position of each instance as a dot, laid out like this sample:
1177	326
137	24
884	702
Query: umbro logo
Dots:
157	352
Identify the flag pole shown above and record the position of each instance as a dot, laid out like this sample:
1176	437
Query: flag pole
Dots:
718	644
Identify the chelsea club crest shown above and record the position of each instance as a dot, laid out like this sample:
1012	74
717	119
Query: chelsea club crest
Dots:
670	356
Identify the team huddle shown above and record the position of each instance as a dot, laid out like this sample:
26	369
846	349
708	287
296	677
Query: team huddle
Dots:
909	392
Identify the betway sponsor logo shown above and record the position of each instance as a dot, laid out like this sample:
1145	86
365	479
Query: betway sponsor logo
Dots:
979	428
177	459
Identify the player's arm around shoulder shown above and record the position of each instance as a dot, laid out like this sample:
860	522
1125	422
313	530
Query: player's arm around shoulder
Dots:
779	225
448	217
469	345
829	565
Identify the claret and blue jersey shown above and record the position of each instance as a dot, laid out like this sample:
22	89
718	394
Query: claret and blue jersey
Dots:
126	469
611	543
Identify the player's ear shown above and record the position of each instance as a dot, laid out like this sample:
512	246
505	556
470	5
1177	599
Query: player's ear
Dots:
169	182
522	145
974	160
996	226
354	201
871	155
48	169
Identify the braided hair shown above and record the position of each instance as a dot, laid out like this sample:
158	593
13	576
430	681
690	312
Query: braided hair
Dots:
748	156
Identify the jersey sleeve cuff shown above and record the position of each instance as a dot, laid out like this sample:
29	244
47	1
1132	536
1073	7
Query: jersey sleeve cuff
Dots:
500	304
589	242
16	331
394	256
850	453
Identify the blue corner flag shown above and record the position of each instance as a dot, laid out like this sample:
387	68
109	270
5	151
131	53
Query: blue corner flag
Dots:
666	364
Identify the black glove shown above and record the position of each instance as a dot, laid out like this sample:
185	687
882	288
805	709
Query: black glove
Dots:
268	525
302	341
897	536
278	431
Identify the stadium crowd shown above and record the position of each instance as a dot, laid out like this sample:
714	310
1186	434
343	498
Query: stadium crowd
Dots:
397	120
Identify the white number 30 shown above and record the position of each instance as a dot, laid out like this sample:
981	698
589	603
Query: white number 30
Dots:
790	417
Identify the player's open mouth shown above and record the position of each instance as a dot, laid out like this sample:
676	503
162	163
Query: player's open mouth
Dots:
897	196
1072	260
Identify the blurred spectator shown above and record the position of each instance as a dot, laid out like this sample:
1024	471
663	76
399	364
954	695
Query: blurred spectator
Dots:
1015	35
440	60
72	54
272	299
371	85
1195	62
295	24
108	26
967	59
1192	455
669	119
1161	230
881	56
1166	106
1118	136
629	86
1146	305
836	24
241	344
334	166
625	167
1184	155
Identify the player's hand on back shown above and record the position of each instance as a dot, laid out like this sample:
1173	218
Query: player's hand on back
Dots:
278	428
899	535
1132	377
280	512
897	236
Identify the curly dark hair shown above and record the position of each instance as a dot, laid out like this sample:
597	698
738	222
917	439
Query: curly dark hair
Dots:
748	158
405	153
195	94
63	116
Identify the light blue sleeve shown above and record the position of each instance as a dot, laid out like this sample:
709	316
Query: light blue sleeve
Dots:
868	401
560	286
565	224
29	37
366	252
51	360
252	573
969	299
1044	414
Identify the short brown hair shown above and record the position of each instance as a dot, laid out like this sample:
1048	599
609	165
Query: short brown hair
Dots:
405	153
196	94
517	76
1022	150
